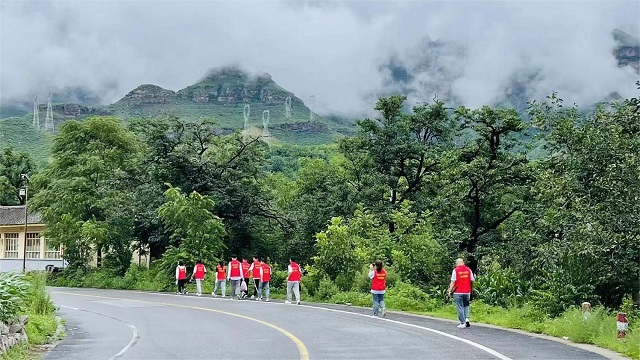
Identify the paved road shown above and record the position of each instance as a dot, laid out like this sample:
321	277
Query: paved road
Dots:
110	324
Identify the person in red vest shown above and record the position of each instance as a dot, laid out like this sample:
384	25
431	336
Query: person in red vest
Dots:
221	280
181	278
265	277
293	282
255	274
378	277
199	272
234	275
460	287
246	273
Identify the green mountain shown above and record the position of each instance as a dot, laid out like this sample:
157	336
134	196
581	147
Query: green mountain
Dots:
222	95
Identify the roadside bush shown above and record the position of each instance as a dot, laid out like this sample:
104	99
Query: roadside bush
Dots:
353	298
39	299
279	279
40	328
501	287
13	293
327	289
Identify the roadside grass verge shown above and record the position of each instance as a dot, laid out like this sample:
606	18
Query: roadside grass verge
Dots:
42	325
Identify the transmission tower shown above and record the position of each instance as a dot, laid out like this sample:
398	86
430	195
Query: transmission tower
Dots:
287	108
48	122
36	113
265	124
246	112
312	105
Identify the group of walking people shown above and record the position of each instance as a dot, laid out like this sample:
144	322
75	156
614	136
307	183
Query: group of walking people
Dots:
239	274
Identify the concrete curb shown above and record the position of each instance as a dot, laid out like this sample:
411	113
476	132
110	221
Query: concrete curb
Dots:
609	354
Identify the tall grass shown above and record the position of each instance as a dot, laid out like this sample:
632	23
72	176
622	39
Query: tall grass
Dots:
38	298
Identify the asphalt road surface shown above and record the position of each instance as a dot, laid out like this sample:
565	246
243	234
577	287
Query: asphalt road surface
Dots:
112	324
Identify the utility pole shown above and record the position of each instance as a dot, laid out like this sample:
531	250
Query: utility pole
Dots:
25	192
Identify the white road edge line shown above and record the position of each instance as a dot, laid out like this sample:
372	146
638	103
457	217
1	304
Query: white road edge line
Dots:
134	330
133	341
472	343
469	342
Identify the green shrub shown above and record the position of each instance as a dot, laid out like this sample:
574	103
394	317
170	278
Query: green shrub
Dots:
501	287
279	279
327	289
40	328
353	298
13	293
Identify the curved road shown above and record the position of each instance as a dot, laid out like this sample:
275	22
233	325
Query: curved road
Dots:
112	324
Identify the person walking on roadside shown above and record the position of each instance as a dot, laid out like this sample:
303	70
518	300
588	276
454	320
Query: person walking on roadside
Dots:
460	287
245	274
221	272
293	282
255	274
234	275
378	277
181	278
265	277
199	272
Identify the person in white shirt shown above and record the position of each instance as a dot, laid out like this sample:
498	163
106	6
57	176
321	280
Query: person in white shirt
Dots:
234	275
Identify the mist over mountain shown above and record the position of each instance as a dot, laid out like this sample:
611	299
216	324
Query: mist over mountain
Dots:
345	53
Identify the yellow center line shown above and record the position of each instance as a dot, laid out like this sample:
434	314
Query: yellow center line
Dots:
302	349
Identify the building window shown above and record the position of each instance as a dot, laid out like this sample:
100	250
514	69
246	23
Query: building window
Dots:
11	245
33	246
51	252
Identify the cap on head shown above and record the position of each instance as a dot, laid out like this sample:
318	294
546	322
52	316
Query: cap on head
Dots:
459	261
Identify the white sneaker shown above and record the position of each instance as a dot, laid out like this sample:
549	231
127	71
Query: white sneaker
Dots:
223	295
253	296
257	299
267	300
287	302
461	326
298	302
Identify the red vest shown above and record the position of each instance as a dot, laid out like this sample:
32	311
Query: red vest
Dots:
295	274
462	284
256	269
235	268
379	281
198	272
266	273
221	270
245	269
182	272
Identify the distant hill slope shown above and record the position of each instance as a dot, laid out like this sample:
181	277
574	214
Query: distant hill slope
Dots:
221	95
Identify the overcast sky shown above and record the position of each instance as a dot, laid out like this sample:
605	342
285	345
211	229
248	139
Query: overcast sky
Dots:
333	50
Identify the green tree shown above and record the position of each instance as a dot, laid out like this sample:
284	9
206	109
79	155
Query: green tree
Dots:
588	209
84	195
403	149
194	156
13	163
491	177
195	231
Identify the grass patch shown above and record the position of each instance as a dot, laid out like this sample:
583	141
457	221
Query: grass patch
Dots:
21	352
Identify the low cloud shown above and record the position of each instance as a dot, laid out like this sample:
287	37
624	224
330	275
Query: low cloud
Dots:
338	51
